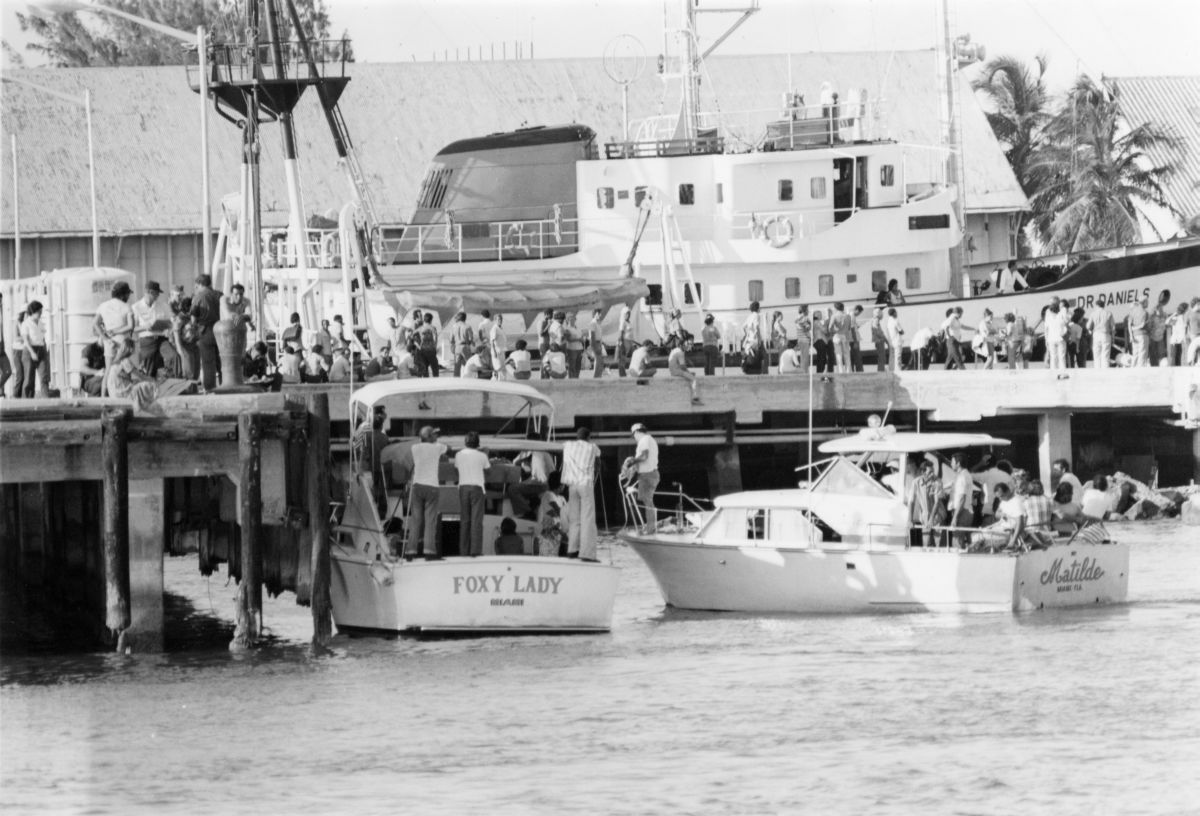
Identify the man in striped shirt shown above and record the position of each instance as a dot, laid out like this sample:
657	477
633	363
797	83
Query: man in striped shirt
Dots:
579	474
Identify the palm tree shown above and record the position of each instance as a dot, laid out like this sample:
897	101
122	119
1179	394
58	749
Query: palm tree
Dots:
1091	169
1017	96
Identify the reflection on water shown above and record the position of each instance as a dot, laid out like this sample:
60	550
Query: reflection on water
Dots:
1062	711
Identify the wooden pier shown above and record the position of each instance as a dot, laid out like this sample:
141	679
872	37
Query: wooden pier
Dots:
93	496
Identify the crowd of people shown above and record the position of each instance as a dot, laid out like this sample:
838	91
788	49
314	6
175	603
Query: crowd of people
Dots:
558	499
994	506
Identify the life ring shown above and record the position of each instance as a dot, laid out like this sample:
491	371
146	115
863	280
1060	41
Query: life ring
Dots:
782	234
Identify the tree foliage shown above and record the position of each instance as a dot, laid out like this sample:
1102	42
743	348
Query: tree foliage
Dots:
1091	169
87	39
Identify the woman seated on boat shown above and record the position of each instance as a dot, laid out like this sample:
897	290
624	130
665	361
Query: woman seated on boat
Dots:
1067	513
1095	503
478	365
509	542
554	364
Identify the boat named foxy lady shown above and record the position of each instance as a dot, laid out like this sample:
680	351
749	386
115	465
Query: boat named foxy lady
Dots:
374	589
840	543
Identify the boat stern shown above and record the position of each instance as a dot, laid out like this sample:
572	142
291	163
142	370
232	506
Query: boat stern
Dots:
1072	575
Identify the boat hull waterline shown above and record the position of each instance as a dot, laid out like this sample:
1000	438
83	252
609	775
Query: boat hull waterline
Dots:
709	577
486	594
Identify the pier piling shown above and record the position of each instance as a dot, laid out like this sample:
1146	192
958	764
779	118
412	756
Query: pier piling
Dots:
114	454
317	485
249	597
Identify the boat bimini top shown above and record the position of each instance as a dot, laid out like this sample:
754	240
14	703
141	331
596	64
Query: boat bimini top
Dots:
879	440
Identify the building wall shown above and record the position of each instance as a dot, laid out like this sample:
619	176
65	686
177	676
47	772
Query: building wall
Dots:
167	259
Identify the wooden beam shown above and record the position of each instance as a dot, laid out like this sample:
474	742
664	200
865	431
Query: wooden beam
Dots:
317	481
116	523
248	613
42	433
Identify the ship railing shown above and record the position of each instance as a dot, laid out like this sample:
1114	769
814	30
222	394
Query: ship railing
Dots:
478	241
677	511
322	247
234	63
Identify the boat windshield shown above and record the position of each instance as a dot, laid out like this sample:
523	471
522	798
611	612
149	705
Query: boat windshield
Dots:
844	477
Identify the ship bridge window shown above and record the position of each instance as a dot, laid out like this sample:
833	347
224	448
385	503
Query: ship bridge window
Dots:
687	194
688	296
785	189
825	285
605	198
879	280
622	195
816	187
791	288
887	175
639	193
756	290
912	277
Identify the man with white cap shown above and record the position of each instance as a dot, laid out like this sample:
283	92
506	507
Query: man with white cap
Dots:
646	460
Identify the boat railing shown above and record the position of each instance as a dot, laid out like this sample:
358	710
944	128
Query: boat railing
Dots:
478	241
322	247
678	512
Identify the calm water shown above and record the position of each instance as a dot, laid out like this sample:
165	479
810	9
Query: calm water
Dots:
1091	711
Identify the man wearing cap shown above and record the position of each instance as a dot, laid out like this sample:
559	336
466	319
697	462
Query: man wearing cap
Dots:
423	495
152	317
114	322
579	474
646	460
206	311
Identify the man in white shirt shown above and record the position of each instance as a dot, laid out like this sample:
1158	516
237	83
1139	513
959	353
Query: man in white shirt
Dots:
895	338
152	317
114	323
554	365
952	332
639	363
579	474
35	358
1055	323
1100	325
1060	472
989	473
339	371
520	361
595	337
316	369
405	361
498	340
789	361
645	458
423	495
1137	324
919	347
962	490
470	462
677	367
474	365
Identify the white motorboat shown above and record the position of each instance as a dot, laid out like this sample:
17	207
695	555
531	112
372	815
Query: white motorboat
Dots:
374	589
841	543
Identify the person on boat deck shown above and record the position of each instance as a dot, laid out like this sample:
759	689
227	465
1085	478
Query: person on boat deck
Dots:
1039	514
639	363
1060	473
962	488
554	363
405	360
152	317
579	475
477	366
1177	334
677	367
926	504
470	462
1100	325
572	345
895	340
256	366
423	495
462	342
1007	278
1010	514
114	321
294	333
645	458
126	380
952	332
509	542
920	349
710	338
789	361
624	339
985	340
497	340
536	469
856	363
427	359
339	371
752	338
1055	328
1096	503
35	356
316	370
988	474
894	296
1066	513
520	361
368	443
822	352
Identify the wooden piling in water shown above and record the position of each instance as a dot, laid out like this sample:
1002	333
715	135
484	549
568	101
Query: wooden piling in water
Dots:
114	454
248	615
317	482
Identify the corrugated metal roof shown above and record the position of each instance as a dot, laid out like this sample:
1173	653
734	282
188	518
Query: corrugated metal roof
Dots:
1173	102
399	115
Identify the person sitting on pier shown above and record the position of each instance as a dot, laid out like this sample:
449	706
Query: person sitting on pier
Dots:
789	361
91	370
315	370
340	370
509	542
376	366
639	362
114	320
127	381
405	360
754	353
677	367
520	361
554	364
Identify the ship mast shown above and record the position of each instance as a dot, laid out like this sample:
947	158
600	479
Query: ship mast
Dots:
689	117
